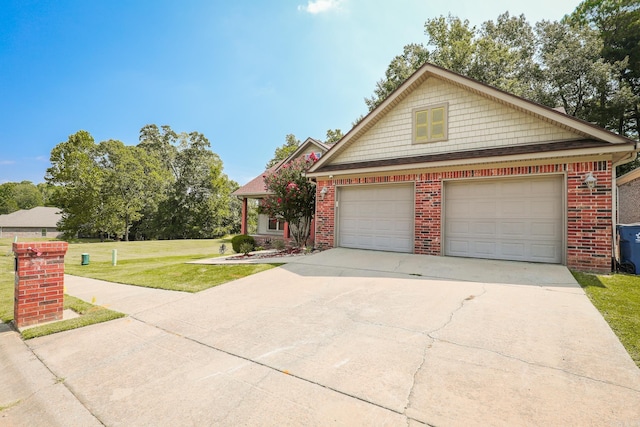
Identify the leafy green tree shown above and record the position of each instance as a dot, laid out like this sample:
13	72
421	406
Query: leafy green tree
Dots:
290	145
75	172
47	191
292	198
617	23
19	195
198	201
26	195
333	136
8	203
401	67
131	180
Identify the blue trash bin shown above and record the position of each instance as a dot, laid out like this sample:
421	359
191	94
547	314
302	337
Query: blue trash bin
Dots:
629	248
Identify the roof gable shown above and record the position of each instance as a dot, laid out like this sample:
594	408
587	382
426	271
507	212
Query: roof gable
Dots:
256	186
386	132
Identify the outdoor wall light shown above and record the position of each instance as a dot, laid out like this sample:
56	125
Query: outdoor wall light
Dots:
323	192
591	181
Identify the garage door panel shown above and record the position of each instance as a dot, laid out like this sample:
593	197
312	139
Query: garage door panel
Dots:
512	250
484	227
522	220
545	229
378	217
514	209
454	226
513	229
483	208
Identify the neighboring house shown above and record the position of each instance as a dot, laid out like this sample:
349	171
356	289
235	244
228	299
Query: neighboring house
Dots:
273	228
449	166
629	197
40	221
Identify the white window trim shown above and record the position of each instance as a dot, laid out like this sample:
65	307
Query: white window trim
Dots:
429	109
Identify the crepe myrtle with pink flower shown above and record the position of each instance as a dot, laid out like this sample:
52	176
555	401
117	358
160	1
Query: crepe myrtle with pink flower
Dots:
292	198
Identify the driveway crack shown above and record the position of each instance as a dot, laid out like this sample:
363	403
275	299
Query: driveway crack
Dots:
429	343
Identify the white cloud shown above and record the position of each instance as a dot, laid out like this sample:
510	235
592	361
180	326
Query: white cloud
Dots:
320	6
7	162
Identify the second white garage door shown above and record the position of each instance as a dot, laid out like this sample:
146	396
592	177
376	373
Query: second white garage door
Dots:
378	217
512	219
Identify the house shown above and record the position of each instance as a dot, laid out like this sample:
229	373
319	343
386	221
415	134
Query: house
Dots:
270	229
629	197
449	166
40	221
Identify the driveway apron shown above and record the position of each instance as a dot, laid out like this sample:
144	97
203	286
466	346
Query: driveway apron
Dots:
351	337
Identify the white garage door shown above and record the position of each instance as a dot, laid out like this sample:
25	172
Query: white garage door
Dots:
513	219
376	217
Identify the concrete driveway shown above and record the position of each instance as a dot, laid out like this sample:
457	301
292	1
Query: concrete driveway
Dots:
349	337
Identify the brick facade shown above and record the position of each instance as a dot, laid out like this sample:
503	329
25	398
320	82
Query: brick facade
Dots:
588	215
39	282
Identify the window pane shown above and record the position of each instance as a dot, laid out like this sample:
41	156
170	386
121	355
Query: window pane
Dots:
438	115
273	224
421	132
421	118
437	131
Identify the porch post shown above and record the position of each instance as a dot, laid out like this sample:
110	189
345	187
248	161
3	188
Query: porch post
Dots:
243	225
286	230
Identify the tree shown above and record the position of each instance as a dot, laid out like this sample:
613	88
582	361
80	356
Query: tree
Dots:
27	195
333	136
617	23
19	195
8	203
285	150
500	53
401	67
292	198
131	179
76	173
197	202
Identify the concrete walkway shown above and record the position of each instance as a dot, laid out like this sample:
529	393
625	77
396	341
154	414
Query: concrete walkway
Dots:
342	337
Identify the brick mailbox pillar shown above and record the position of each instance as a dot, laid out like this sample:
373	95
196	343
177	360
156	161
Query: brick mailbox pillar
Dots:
39	282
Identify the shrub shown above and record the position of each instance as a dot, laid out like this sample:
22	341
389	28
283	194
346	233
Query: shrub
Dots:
246	247
238	240
279	244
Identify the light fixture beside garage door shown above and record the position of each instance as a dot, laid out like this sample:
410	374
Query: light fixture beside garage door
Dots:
591	181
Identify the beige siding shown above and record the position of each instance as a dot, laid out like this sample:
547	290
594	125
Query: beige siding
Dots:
475	122
263	226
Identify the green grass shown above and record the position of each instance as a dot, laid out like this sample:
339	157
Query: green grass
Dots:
89	315
169	272
156	264
617	297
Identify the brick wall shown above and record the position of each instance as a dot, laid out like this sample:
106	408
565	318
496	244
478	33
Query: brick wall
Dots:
589	222
589	232
27	232
39	282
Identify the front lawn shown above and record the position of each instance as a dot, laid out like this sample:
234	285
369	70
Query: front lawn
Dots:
617	297
155	264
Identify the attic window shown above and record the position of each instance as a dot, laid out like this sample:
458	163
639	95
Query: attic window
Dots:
430	124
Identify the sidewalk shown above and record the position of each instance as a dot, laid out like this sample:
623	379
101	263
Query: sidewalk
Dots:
32	394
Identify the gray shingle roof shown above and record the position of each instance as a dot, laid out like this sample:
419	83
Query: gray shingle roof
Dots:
40	216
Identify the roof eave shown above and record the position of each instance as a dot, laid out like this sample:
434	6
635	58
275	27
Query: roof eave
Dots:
585	152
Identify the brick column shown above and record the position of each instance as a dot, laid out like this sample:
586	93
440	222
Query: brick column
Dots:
39	282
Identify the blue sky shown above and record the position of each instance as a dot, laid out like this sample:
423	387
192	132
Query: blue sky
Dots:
244	73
